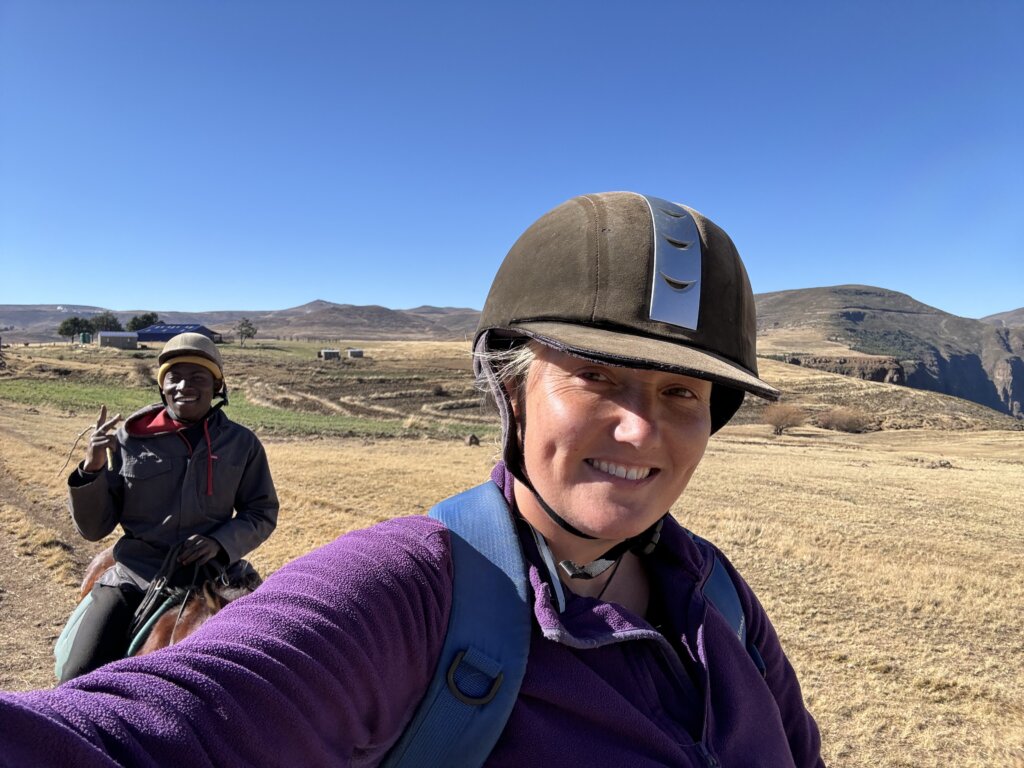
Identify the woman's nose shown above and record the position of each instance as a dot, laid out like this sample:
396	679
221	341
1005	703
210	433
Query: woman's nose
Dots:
637	422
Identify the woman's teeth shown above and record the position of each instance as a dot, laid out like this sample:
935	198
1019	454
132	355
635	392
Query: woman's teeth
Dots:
626	473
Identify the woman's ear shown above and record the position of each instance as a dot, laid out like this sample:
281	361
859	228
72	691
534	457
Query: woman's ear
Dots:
513	388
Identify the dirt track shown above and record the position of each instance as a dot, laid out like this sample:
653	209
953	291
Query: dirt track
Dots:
34	603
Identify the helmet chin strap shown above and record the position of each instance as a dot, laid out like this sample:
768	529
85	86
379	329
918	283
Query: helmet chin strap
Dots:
514	430
643	543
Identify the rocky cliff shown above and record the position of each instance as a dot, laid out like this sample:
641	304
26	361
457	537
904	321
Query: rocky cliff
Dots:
903	341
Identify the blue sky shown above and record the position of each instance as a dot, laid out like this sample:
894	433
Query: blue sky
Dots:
259	154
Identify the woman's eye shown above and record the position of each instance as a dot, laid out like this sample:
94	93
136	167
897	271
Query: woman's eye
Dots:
681	392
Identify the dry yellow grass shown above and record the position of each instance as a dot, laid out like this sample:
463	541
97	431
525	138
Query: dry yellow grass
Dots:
889	406
331	486
47	546
889	562
891	577
806	340
893	580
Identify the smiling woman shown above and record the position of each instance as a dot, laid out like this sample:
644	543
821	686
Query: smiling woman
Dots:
555	615
612	448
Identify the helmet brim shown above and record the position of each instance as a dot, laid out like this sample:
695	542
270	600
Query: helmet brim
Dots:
633	351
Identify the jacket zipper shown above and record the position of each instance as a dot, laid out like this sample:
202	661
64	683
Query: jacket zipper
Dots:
709	759
702	749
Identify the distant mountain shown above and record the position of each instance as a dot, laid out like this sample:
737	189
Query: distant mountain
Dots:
858	330
898	339
316	320
322	319
461	322
1015	317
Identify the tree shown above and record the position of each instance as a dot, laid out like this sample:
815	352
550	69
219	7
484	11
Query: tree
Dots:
72	326
782	417
245	330
105	321
144	320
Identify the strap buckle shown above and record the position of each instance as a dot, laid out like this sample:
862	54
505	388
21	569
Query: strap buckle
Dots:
473	701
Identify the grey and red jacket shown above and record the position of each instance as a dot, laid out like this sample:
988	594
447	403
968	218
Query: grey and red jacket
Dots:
164	490
325	663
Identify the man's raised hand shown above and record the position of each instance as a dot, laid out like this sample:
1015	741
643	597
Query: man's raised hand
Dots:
101	441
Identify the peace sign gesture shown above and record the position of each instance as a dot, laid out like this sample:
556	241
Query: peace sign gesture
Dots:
100	442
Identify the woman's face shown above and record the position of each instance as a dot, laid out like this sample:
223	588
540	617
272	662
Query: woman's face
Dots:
609	449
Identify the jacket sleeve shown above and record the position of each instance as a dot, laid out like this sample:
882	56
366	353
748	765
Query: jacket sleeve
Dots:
255	505
801	729
95	502
322	665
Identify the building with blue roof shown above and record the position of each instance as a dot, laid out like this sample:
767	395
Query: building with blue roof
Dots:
164	331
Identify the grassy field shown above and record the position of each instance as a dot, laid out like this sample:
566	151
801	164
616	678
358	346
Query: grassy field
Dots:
889	561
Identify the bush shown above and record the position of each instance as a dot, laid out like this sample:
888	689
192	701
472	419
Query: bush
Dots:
781	417
142	374
845	420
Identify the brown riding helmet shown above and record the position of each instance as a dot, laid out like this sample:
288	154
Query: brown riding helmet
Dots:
636	281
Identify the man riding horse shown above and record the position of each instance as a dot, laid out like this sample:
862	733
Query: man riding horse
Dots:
176	475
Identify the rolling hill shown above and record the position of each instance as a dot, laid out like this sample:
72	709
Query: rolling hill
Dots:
1015	317
316	320
883	335
861	331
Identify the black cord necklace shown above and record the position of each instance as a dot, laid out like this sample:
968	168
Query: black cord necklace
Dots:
615	569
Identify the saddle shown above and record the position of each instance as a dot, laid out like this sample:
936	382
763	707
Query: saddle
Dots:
174	585
171	588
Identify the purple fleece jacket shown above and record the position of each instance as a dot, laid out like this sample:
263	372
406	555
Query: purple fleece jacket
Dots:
325	663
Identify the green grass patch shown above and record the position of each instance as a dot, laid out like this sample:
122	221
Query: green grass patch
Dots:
74	396
285	422
893	343
265	419
87	398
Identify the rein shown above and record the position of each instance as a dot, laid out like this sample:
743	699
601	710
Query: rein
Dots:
162	595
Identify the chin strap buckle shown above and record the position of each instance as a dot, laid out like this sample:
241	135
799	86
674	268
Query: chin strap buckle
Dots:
643	544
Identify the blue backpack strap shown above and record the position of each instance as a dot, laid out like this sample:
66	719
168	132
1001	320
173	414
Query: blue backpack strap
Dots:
720	591
483	660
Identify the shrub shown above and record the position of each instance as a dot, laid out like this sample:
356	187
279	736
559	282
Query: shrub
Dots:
414	422
781	416
142	374
845	420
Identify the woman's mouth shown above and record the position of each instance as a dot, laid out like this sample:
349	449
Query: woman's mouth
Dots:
623	471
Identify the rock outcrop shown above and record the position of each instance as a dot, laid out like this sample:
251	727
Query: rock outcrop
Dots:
905	342
883	369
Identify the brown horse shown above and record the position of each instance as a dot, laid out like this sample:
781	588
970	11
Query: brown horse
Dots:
197	604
